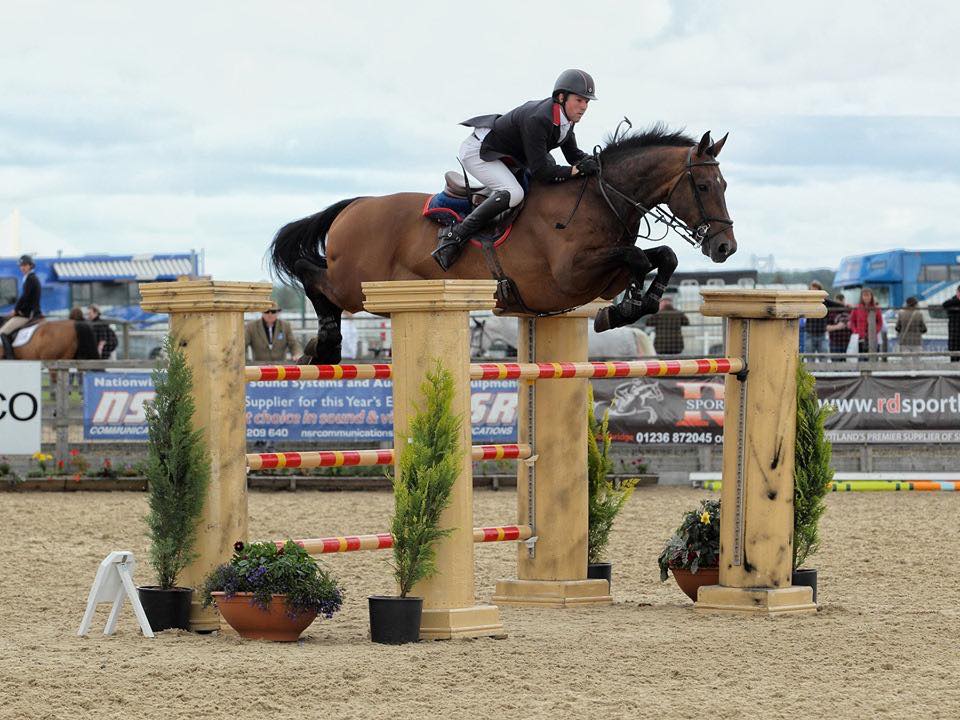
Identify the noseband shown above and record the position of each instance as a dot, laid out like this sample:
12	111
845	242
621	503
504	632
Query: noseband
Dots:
696	236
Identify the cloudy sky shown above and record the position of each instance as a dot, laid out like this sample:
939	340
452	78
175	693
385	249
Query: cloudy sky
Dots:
148	127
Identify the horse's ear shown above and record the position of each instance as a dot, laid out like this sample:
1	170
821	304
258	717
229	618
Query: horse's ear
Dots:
704	143
715	149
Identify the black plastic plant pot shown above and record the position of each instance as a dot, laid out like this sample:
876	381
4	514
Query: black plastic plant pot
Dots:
166	609
395	620
600	571
807	578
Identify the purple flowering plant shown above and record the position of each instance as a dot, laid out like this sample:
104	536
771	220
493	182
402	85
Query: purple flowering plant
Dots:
265	570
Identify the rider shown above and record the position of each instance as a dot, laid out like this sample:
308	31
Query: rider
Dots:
27	307
523	138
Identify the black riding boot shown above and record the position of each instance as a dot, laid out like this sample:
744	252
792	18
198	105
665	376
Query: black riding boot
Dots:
7	347
453	238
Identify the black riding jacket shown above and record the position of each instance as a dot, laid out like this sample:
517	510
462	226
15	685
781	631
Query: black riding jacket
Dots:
28	304
526	135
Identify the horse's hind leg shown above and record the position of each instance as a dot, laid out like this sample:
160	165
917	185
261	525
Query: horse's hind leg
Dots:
325	348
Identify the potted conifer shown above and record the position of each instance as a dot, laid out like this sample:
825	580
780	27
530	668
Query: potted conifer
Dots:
426	472
811	477
178	473
604	499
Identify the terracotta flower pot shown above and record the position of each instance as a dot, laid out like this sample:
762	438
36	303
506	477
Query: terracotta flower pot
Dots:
690	582
255	623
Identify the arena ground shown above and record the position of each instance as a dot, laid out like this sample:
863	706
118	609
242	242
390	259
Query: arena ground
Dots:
885	644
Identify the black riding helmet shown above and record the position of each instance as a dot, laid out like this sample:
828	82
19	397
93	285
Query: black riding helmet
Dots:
575	81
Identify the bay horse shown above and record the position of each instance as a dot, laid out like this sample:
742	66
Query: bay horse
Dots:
58	340
572	243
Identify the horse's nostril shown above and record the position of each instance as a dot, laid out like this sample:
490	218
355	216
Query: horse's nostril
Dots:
722	249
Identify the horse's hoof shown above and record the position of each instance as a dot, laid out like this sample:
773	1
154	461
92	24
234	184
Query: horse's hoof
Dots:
602	322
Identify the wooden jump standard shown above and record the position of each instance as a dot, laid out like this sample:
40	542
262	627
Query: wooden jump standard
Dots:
756	525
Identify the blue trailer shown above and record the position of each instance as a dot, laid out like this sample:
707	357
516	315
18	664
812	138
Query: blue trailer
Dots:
931	276
108	281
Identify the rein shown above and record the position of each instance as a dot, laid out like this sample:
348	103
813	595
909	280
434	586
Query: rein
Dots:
696	236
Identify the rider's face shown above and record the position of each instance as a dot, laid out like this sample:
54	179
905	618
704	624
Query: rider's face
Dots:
574	107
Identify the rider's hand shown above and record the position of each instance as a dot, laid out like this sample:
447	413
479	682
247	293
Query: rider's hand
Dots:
587	166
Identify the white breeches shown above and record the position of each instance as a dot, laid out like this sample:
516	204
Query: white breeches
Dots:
492	173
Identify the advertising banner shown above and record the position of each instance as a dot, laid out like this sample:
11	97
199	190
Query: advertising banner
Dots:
20	417
661	411
294	410
645	411
892	409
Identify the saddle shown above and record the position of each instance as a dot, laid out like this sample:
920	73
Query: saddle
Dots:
19	337
453	203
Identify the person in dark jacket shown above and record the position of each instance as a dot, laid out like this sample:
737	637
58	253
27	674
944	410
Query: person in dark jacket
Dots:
952	306
838	326
500	145
668	324
106	337
910	327
27	307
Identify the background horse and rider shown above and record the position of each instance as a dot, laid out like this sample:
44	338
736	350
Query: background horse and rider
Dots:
572	243
56	340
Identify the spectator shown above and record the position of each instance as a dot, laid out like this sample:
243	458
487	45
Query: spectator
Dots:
816	329
910	327
838	330
271	339
667	325
76	313
106	337
952	306
860	320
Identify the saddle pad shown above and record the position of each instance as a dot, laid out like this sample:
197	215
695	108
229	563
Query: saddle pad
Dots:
23	335
446	210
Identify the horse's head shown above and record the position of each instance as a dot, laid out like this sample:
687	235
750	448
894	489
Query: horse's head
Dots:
697	198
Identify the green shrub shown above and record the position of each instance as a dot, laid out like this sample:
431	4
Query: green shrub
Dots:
812	471
604	499
178	469
428	468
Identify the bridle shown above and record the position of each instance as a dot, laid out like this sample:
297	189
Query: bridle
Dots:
662	213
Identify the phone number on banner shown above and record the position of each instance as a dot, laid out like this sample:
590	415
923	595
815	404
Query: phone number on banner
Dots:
679	438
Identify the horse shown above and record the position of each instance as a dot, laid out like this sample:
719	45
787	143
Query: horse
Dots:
496	336
58	340
555	266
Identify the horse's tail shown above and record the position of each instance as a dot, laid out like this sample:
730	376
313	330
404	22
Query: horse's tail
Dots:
86	341
303	239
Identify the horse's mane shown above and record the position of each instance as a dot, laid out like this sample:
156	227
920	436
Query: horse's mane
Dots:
657	135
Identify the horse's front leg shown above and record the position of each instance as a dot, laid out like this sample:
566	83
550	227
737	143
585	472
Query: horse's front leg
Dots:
664	259
635	304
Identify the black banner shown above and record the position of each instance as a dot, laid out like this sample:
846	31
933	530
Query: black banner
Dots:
893	409
867	409
660	411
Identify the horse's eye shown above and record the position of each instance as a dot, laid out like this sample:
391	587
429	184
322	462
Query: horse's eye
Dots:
702	188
